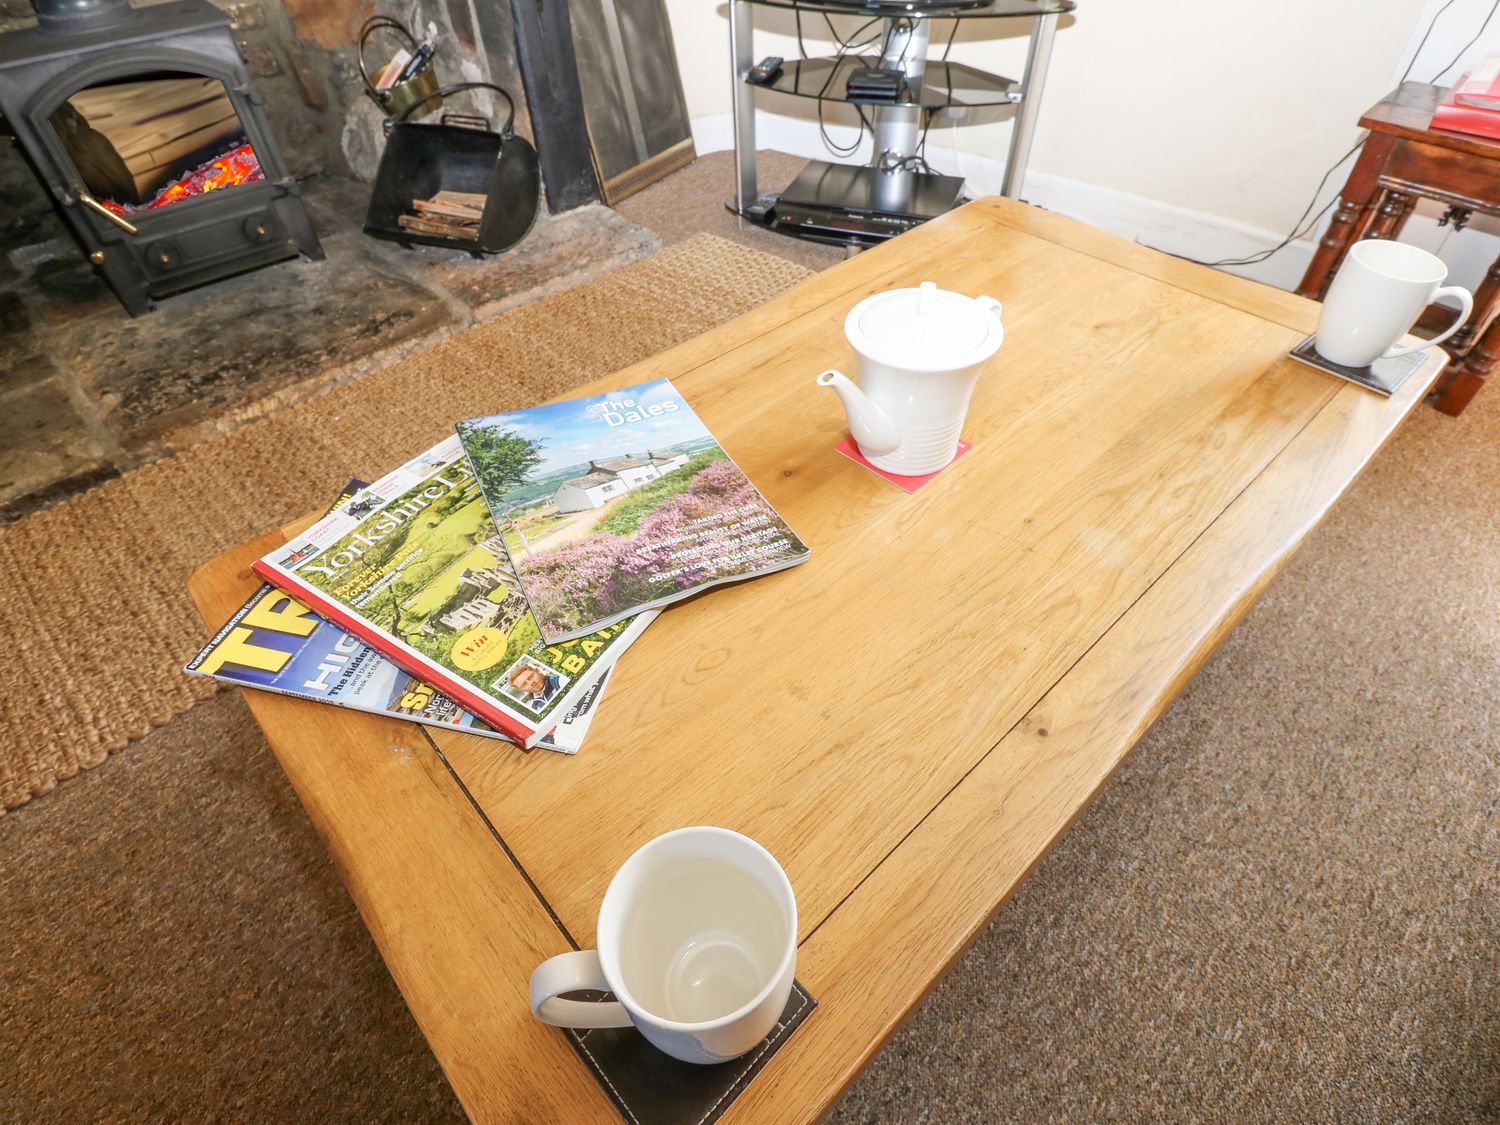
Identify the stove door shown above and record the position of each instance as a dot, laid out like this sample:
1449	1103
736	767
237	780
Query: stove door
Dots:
163	164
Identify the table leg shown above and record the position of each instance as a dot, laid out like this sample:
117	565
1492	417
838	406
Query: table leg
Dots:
1465	379
1349	218
1391	214
1485	298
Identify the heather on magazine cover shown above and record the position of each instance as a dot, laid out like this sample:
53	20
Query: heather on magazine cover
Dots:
615	502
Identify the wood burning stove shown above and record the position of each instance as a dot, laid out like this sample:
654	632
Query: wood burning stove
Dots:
145	128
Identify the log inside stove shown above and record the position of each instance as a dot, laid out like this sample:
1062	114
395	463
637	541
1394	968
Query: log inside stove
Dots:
130	140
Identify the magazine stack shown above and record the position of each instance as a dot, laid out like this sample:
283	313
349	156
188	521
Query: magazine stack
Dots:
491	583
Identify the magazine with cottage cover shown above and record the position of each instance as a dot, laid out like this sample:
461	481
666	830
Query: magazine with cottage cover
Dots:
414	567
275	643
618	503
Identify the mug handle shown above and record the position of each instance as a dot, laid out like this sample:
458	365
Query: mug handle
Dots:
1464	298
574	972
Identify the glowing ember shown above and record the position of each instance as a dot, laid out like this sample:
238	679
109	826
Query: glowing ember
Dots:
237	166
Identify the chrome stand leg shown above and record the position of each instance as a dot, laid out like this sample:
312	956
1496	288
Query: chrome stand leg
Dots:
1037	57
898	130
741	33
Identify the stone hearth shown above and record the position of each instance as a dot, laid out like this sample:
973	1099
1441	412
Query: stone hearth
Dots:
90	392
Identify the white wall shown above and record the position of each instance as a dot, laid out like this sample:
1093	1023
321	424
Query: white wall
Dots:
1201	127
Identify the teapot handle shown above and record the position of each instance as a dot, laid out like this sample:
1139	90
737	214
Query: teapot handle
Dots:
991	304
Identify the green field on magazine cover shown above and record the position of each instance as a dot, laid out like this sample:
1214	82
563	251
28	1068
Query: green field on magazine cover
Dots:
413	576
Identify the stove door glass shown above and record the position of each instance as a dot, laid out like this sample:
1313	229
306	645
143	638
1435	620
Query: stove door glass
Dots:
152	140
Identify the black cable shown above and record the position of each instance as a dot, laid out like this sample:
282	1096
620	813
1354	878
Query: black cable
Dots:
1464	49
828	143
897	25
1255	259
845	46
953	31
1297	227
850	44
1302	226
1415	55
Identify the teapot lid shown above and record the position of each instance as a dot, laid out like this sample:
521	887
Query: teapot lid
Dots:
925	329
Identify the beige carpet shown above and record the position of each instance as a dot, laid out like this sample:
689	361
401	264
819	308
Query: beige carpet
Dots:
691	201
1284	907
100	577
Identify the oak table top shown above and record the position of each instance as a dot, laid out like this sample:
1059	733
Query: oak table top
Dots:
913	717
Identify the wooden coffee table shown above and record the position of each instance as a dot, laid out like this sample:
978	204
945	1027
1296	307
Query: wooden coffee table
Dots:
909	721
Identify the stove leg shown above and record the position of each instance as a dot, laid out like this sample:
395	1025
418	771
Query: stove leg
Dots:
293	213
114	265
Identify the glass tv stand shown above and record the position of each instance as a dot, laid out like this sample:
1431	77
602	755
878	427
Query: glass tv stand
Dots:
860	205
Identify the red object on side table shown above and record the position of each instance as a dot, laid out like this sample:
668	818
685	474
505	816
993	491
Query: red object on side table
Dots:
1473	104
1405	159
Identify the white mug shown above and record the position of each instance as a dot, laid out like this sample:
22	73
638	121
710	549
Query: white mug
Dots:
697	940
920	353
1377	295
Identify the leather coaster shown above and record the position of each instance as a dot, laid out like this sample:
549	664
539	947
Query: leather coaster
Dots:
1383	376
850	450
651	1088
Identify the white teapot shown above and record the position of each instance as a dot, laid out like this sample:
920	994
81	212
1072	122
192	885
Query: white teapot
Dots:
920	353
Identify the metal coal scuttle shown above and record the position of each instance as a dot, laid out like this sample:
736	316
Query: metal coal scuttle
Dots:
460	154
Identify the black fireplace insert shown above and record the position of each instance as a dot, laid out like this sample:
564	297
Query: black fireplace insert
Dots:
153	143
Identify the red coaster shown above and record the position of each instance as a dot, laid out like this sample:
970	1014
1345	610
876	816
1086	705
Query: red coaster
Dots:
911	484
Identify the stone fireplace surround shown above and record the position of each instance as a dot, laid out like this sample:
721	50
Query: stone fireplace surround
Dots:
301	57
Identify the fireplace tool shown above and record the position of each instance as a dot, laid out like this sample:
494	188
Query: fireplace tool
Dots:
401	97
460	154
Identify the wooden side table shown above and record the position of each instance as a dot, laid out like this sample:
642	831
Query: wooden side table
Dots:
1404	160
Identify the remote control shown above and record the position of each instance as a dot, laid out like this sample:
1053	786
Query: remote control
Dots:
764	71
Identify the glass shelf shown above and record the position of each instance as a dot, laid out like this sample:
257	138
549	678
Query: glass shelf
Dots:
945	85
918	9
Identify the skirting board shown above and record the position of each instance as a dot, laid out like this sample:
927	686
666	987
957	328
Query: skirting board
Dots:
1174	229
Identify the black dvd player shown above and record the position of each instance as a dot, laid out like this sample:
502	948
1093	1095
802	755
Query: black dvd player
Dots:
843	200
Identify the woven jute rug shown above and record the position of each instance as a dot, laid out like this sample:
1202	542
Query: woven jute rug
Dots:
94	587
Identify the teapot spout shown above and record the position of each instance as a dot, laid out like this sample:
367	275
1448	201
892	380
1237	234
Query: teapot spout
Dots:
871	426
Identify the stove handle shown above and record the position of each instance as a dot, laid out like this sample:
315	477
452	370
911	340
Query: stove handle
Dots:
99	209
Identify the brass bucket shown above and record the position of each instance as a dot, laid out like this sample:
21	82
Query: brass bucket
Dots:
415	95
